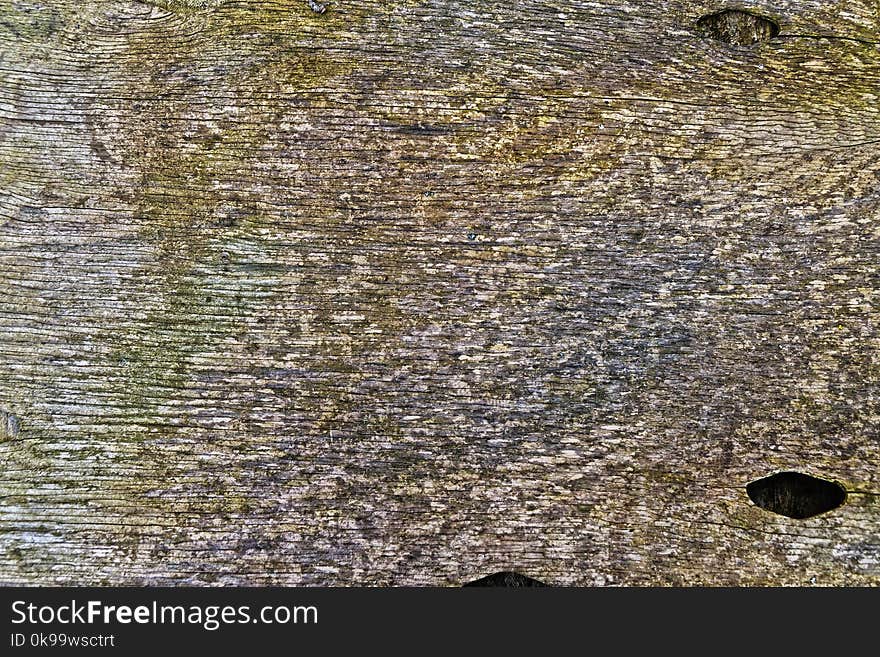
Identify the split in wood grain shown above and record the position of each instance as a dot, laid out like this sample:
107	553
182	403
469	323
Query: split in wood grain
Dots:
10	426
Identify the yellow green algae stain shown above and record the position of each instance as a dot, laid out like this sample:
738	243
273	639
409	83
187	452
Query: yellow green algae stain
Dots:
186	5
211	130
30	21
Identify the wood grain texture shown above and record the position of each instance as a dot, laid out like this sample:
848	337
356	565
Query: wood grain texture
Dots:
416	292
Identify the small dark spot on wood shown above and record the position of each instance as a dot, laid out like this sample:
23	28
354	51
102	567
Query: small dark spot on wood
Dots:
101	151
505	578
796	495
10	426
738	28
472	236
208	138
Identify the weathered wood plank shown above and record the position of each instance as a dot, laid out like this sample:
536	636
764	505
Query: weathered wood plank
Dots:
413	293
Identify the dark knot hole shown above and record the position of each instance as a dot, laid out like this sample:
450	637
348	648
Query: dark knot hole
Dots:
505	578
796	495
738	28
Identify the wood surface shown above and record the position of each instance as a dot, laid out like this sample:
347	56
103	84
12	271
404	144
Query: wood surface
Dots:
410	293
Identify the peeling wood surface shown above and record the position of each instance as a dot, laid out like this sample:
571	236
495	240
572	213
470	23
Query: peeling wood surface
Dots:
416	292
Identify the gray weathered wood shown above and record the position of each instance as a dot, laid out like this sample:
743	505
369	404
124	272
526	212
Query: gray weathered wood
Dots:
411	293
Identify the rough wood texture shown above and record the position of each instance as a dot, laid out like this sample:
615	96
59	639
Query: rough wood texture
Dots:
416	292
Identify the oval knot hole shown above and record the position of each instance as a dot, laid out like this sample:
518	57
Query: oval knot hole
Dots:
796	495
739	28
505	578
